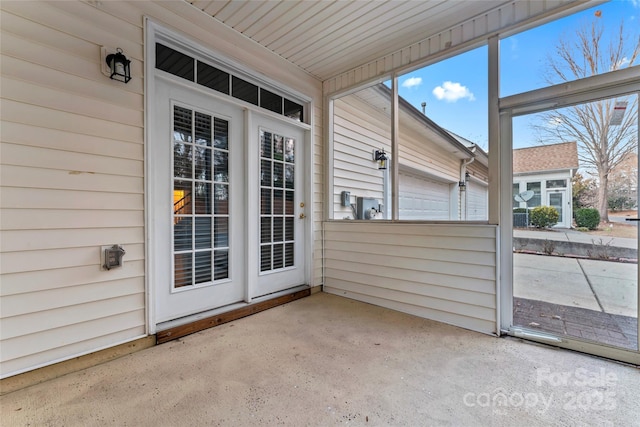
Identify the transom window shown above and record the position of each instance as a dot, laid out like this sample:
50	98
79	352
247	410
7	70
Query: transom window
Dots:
186	67
556	183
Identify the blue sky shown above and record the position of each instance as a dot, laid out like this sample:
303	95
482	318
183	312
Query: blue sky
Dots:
455	89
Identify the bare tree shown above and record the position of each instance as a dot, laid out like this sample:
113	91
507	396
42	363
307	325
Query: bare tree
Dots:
601	144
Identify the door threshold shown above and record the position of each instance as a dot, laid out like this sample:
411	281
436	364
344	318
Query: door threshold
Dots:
174	329
534	335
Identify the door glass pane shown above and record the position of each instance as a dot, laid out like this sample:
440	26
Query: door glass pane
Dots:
555	201
203	267
580	282
221	134
221	199
203	232
200	207
183	270
221	264
277	160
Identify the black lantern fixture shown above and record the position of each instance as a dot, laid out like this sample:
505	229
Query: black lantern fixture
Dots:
380	157
119	66
463	184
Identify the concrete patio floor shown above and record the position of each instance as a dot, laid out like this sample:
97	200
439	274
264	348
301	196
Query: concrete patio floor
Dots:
326	360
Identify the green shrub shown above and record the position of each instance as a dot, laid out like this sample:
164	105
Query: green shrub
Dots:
620	203
587	217
544	216
520	210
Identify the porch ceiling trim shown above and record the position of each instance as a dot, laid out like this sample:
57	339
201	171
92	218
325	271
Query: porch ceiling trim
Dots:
505	19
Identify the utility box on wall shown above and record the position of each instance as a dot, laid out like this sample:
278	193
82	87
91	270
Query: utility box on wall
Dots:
367	208
111	257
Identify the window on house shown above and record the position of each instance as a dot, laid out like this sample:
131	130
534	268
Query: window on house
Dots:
556	183
536	200
515	192
244	90
270	101
174	62
184	66
213	78
293	110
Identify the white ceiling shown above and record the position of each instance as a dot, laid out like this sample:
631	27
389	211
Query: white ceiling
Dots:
326	38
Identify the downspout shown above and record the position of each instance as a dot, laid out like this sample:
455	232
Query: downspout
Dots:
463	172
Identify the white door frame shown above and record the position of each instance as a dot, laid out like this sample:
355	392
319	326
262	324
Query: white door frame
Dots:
616	83
155	32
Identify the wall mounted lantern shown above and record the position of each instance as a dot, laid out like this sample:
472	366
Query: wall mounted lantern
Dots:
380	157
119	66
463	184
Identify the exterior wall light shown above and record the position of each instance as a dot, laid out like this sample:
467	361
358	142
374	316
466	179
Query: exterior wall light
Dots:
462	185
119	66
380	157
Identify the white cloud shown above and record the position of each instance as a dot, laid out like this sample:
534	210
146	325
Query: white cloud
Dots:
451	92
412	82
620	64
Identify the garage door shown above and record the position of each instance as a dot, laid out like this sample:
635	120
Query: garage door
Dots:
423	198
477	202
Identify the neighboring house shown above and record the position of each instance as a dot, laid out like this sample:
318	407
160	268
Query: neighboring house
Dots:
211	169
432	162
547	170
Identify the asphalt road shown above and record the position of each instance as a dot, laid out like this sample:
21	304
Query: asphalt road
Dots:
622	219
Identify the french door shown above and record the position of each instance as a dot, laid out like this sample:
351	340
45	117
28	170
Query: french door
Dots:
279	210
196	180
227	203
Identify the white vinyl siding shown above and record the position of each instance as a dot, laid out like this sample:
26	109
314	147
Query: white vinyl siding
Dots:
443	272
356	135
73	170
72	180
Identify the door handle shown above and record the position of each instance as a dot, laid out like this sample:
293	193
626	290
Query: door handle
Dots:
302	216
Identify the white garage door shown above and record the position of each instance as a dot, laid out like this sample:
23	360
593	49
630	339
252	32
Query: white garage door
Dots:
477	202
422	198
